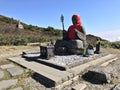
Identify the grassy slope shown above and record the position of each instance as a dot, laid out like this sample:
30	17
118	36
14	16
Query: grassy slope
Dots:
8	27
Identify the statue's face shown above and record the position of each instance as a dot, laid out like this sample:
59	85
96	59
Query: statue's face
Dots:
74	20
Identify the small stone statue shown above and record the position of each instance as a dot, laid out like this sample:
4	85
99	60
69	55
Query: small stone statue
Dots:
97	51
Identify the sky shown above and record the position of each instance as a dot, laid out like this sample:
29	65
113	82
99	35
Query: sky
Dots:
99	17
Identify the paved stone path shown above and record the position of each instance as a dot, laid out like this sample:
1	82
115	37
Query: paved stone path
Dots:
1	74
13	71
7	83
7	66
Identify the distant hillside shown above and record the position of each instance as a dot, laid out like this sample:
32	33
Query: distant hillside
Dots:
91	39
8	25
9	34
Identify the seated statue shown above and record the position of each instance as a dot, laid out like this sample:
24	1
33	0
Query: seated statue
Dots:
74	40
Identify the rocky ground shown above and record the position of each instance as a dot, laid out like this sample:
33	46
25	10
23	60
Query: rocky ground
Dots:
15	77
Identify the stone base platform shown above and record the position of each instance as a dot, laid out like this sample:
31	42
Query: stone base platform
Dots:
65	73
62	62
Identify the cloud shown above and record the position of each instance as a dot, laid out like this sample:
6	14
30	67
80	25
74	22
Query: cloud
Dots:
113	35
119	38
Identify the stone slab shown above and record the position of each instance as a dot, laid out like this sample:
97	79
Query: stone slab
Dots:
7	66
1	74
52	75
7	83
18	88
103	74
79	87
15	71
108	62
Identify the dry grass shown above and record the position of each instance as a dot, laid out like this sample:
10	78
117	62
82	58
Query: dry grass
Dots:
111	51
9	51
13	49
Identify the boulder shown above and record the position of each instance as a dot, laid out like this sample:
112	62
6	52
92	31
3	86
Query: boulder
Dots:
101	74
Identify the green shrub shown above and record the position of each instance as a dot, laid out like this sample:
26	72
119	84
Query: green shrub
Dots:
105	44
115	45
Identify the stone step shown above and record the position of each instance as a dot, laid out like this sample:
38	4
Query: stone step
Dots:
55	77
15	71
1	74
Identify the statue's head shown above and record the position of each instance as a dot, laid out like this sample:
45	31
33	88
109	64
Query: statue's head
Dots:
76	19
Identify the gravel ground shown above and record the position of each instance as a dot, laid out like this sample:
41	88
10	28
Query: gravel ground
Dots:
73	60
67	61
